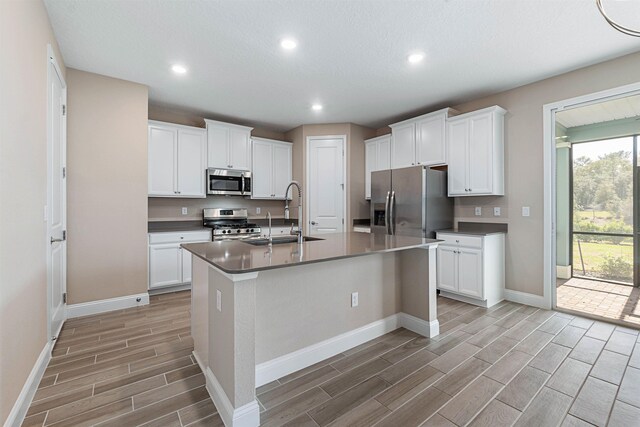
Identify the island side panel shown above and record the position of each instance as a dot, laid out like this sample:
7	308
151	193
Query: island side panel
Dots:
418	288
221	333
300	306
200	311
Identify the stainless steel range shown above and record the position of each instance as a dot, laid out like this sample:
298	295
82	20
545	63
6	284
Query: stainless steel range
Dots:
230	224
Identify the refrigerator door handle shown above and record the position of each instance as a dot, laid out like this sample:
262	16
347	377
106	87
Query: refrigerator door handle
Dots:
392	213
387	221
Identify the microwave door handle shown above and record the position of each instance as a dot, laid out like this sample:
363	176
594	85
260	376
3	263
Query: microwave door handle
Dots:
242	180
387	222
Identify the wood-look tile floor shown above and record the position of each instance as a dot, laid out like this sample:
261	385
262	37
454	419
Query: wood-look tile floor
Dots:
126	368
507	365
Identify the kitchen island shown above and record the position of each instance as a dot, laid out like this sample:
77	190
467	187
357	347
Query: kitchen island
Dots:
260	312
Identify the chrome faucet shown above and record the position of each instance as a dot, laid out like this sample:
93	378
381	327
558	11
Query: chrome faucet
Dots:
270	238
299	231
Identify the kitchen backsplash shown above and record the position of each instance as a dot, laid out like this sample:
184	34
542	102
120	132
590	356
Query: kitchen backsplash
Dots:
170	209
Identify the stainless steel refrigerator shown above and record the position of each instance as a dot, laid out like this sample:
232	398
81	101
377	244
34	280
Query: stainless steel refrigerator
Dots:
410	202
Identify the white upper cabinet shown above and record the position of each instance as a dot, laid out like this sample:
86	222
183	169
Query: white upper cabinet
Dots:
229	145
177	160
476	153
377	157
271	168
162	160
403	145
420	140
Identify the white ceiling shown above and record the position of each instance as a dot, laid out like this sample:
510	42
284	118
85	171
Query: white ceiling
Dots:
351	55
616	109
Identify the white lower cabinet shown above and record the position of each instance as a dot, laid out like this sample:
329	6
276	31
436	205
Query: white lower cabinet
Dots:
471	267
169	264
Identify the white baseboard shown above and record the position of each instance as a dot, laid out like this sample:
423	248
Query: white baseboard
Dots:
20	407
245	416
170	289
468	300
104	305
526	298
299	359
563	271
420	326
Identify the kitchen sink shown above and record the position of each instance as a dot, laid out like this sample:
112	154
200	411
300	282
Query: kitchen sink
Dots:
263	241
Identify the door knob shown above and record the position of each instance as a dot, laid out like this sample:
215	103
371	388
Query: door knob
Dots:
314	223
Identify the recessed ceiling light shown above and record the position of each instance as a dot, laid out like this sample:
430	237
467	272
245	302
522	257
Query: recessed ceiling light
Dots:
316	107
414	58
178	69
288	44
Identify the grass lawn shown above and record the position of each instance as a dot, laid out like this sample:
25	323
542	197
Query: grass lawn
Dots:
591	214
593	255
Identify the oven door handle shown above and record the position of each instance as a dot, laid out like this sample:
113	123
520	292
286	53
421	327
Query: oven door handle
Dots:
242	188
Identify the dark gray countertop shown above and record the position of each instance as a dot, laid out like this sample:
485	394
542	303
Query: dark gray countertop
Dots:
236	257
478	228
175	226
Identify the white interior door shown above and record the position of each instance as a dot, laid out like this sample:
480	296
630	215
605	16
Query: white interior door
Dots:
56	199
325	185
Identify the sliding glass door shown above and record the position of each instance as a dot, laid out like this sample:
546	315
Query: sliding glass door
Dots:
603	224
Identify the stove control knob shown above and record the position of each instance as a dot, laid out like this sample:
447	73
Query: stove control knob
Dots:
252	230
238	231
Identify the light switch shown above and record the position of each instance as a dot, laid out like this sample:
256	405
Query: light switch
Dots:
526	211
496	211
184	211
257	211
218	300
478	211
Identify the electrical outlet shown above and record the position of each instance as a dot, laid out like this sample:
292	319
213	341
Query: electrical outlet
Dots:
354	299
218	300
526	211
496	211
257	211
478	211
185	211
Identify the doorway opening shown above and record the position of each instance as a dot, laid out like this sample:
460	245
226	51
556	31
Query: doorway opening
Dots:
597	204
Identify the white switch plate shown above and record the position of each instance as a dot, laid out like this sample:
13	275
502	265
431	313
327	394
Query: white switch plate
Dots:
354	299
257	210
478	211
218	300
496	211
184	211
526	211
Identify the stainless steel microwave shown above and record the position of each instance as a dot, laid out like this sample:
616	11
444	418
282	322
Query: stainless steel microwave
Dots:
228	182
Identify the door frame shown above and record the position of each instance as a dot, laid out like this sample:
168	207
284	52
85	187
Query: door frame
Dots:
53	66
345	178
548	299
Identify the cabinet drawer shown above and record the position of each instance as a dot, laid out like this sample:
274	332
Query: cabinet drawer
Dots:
181	237
460	240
